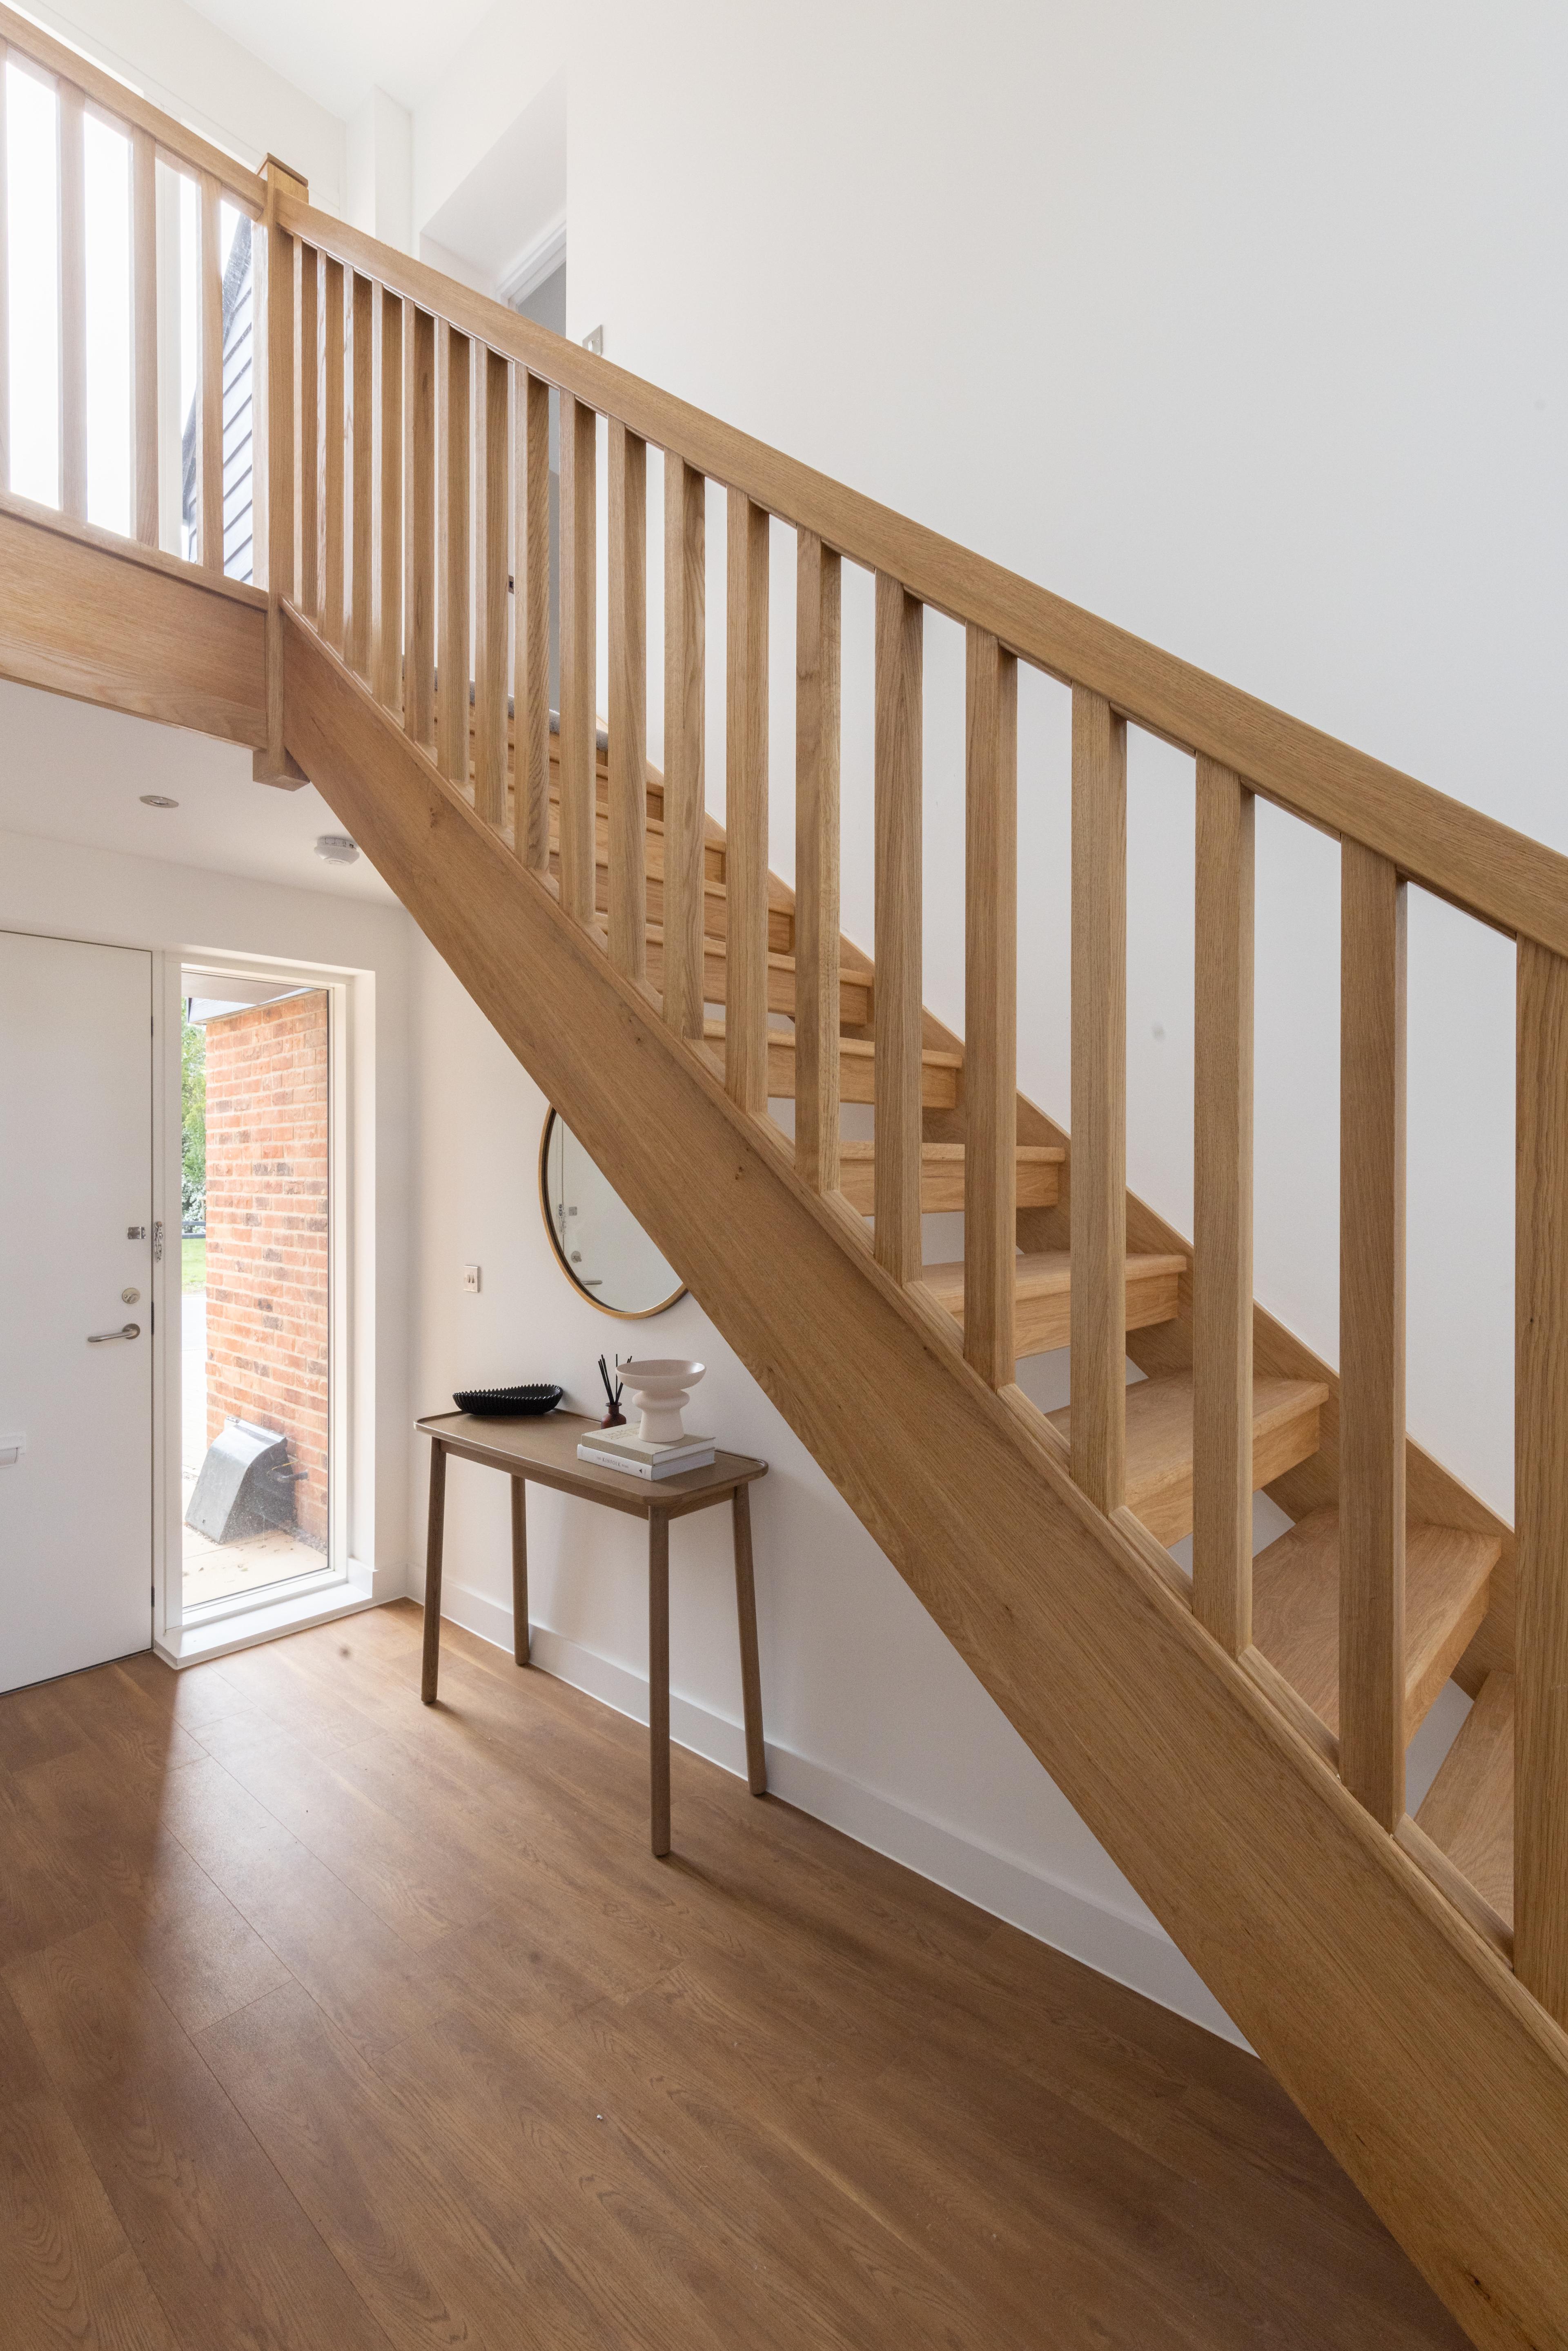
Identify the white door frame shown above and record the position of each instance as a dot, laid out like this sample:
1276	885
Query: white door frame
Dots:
344	1583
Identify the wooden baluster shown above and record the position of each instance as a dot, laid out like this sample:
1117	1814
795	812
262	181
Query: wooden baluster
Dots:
685	678
530	620
388	506
73	303
492	511
990	1009
332	451
1372	1333
308	410
210	395
5	285
452	539
1541	1482
274	426
746	808
361	592
144	337
1222	1212
1099	1214
418	580
627	702
578	751
817	733
900	645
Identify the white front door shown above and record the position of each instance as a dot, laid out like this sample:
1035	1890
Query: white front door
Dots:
76	1226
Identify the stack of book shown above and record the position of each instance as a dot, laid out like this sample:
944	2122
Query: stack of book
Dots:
617	1448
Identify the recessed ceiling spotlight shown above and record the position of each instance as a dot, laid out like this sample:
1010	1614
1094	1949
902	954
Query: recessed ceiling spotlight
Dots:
158	799
337	849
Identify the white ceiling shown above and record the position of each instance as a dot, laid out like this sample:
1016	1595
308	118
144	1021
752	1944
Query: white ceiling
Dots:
337	51
71	772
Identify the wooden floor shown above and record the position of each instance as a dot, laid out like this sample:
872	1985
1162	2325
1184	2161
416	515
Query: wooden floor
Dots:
328	2021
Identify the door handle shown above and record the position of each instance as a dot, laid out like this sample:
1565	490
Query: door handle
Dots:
126	1330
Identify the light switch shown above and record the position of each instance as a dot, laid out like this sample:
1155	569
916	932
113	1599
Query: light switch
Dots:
471	1277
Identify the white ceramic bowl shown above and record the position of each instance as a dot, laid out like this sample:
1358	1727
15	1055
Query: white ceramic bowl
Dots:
661	1386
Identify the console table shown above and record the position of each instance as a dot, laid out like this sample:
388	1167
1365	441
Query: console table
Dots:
544	1451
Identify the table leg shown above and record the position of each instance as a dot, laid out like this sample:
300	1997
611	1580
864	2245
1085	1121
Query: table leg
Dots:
520	1570
659	1678
751	1667
432	1570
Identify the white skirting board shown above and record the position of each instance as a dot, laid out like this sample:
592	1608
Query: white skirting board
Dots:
1131	1950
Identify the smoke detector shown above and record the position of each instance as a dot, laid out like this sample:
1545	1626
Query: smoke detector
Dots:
158	799
337	849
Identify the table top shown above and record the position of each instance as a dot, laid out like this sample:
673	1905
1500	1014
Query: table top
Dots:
544	1448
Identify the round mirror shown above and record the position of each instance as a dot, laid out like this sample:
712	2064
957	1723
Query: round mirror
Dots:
603	1250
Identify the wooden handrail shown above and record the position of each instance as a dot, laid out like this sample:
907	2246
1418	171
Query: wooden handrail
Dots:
1504	877
30	45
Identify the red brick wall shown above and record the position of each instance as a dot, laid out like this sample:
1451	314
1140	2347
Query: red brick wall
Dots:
267	1210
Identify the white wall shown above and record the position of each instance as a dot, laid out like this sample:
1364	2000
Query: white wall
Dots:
873	1721
76	891
203	76
1237	326
1228	324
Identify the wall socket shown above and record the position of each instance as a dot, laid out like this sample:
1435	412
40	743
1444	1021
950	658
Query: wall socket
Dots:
471	1277
594	342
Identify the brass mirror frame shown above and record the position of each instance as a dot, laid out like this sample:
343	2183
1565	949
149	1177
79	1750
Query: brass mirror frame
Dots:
620	1314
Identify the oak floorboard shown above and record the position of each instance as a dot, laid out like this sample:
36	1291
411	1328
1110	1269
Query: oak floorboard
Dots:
68	2273
389	2195
226	2247
358	1970
204	1957
326	2017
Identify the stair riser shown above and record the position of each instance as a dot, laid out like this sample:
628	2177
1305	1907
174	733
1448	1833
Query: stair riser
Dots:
1166	1508
652	847
715	909
938	1083
1042	1321
942	1186
655	790
855	995
1040	1325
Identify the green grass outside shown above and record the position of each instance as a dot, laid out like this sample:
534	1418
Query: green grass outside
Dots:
192	1264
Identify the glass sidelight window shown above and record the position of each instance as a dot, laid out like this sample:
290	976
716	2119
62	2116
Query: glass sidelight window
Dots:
256	1286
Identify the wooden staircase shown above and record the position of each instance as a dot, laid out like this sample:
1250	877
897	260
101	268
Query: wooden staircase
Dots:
1234	1735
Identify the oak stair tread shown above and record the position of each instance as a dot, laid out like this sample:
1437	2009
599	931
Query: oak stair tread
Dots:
653	849
1295	1609
942	1175
938	1070
1159	1442
854	986
716	904
1469	1810
1042	1294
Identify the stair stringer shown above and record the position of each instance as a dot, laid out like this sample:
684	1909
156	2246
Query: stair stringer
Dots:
1400	2032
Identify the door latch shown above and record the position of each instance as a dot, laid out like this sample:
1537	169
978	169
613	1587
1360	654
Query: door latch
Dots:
157	1242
